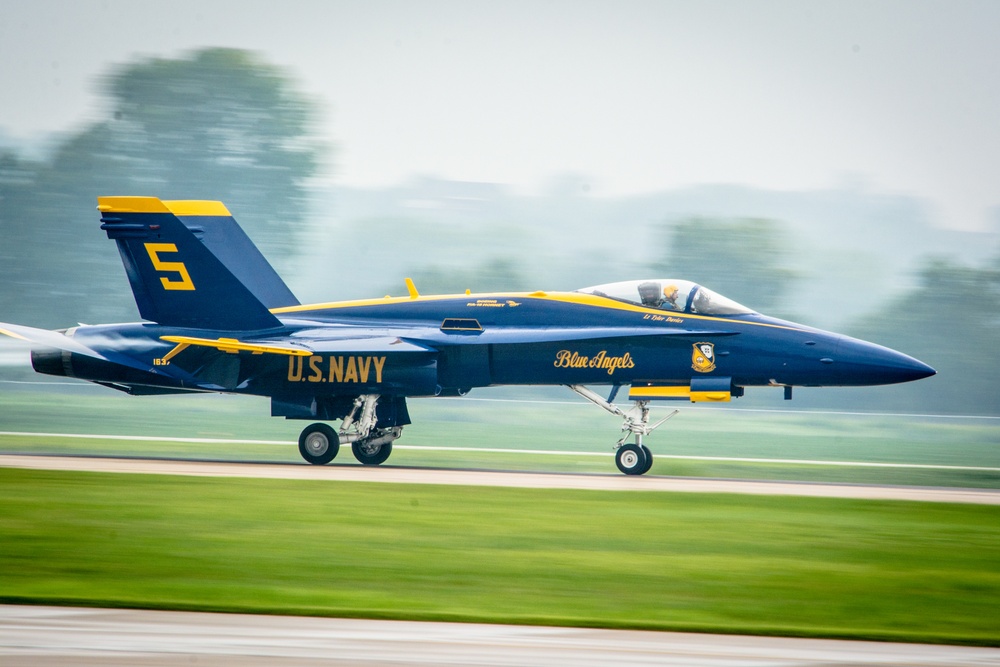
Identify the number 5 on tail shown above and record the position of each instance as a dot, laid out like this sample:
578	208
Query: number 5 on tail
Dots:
154	250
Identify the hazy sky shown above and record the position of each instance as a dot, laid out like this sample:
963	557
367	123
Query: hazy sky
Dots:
636	96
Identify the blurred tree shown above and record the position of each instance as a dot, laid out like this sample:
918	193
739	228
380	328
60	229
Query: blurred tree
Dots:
952	322
63	269
217	124
742	259
498	274
220	124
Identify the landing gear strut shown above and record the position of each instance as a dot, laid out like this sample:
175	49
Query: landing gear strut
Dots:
319	443
631	459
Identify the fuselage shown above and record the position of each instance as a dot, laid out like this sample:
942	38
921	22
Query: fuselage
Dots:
455	343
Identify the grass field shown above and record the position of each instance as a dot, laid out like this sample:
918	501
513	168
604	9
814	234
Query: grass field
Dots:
787	566
720	563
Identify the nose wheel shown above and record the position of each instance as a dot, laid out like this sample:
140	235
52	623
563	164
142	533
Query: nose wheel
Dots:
634	459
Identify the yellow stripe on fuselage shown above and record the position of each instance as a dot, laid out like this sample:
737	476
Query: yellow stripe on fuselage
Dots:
579	298
638	392
387	300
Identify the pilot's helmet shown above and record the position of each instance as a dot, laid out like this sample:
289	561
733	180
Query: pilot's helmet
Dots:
670	291
649	293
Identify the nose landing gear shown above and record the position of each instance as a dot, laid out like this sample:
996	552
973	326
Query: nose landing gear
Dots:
633	458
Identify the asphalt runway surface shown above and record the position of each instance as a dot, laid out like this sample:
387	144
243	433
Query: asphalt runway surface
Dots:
400	475
78	637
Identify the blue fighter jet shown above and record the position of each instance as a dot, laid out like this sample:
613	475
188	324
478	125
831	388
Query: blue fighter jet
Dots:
218	318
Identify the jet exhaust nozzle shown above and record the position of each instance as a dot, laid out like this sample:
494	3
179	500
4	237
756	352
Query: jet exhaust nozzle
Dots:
52	361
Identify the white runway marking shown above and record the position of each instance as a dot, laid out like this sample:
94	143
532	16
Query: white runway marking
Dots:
607	454
590	482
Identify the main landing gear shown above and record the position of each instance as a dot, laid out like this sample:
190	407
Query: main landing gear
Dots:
632	458
319	443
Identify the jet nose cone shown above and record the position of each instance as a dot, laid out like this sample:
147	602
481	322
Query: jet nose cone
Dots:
869	363
920	370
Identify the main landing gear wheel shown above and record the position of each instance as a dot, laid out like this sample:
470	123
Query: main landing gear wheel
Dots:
632	460
370	454
319	444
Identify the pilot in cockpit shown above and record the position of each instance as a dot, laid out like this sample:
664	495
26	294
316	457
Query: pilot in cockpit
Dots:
670	295
651	295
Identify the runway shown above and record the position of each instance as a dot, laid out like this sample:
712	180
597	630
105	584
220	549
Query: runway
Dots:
593	482
78	637
75	637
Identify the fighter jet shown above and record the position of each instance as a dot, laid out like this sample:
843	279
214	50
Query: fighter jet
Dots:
218	318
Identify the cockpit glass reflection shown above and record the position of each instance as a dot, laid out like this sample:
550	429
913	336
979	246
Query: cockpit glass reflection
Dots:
681	296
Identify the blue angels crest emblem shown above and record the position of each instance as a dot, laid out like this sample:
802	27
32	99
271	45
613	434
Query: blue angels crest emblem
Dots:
703	357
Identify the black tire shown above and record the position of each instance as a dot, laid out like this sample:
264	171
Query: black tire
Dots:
649	459
370	455
319	444
631	460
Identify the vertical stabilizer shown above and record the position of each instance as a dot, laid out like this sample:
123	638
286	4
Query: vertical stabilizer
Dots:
226	240
184	273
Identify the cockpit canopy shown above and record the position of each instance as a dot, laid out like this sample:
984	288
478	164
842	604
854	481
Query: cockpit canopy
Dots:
682	296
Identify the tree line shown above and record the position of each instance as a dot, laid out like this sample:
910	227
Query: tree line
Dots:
218	124
224	124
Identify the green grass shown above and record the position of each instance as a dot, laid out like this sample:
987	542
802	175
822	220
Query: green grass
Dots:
698	562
